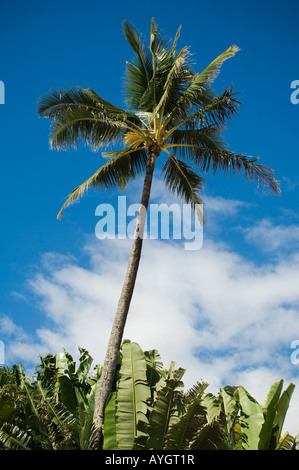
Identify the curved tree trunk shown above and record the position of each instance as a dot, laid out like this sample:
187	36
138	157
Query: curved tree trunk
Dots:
108	373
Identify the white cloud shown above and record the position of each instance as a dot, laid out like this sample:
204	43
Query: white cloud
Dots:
10	329
226	207
270	237
291	183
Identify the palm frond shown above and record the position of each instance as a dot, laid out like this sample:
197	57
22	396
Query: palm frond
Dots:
136	41
94	130
194	417
225	160
212	70
286	442
183	141
177	76
183	182
57	101
161	46
138	73
136	84
123	165
161	59
80	113
199	92
215	110
211	436
13	438
173	71
165	70
219	110
196	391
192	98
87	429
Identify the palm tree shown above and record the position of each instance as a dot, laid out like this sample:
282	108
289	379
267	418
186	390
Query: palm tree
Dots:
171	110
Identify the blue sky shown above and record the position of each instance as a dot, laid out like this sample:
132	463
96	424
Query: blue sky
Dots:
251	239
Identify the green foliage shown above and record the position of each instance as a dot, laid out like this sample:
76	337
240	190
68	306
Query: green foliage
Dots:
132	394
148	408
174	420
252	426
52	411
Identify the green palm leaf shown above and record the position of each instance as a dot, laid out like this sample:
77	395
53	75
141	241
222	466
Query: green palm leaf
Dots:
212	70
178	74
286	442
208	437
227	161
230	408
75	124
123	166
211	110
165	410
182	181
13	438
86	413
82	114
58	101
183	432
140	72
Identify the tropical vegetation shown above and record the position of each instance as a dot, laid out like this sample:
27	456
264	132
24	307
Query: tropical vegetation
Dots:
148	408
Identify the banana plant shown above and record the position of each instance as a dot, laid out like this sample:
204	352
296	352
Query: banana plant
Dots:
155	413
254	426
74	387
149	410
127	405
45	424
68	384
8	395
55	409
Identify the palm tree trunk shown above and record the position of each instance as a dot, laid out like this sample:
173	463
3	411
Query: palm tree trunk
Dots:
108	373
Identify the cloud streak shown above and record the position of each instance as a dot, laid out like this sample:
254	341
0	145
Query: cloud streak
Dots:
271	237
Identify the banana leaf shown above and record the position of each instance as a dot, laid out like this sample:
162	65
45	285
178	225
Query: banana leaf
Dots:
251	420
109	428
132	395
267	435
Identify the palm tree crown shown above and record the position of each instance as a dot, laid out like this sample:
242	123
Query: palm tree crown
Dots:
171	109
